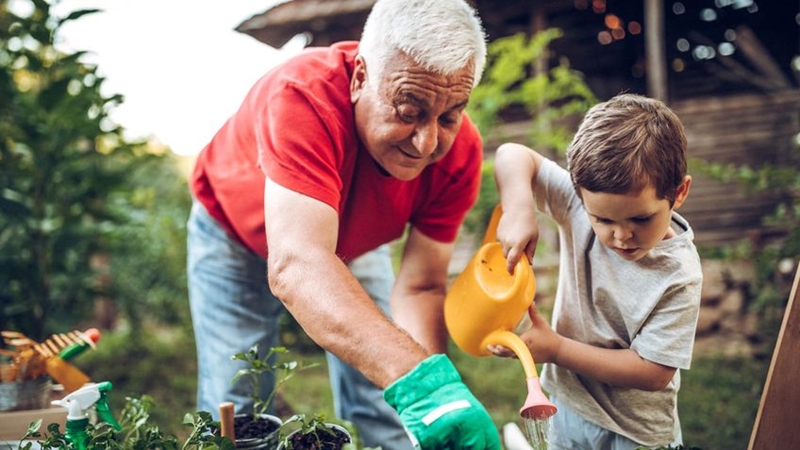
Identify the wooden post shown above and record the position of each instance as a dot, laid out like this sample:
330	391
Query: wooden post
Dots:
776	422
654	49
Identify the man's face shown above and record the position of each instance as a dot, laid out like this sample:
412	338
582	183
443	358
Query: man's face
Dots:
407	117
630	224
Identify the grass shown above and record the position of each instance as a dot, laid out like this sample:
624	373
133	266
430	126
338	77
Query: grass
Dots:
718	401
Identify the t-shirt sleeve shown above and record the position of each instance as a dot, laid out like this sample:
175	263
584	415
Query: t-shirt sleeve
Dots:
667	337
554	192
296	144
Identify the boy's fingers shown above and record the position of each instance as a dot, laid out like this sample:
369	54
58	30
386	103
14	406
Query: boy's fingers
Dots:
511	259
499	350
530	251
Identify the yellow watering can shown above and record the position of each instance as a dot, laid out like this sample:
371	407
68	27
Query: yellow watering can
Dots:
485	304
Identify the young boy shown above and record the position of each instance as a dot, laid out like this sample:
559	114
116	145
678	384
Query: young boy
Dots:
629	283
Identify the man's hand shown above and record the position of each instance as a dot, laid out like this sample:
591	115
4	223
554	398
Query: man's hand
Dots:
438	410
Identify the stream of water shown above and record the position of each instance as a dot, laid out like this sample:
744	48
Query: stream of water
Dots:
536	431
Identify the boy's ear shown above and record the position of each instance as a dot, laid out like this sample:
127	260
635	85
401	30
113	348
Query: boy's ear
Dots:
682	192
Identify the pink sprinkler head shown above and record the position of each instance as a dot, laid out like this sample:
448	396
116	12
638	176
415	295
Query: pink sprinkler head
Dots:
537	406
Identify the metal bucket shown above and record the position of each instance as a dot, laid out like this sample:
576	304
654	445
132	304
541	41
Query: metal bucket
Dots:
26	395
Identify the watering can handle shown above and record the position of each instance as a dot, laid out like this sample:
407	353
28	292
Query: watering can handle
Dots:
491	229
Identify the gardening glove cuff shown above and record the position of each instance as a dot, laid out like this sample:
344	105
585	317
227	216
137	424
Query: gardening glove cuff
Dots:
438	410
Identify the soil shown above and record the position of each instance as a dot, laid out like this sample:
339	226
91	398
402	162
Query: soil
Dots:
322	441
247	428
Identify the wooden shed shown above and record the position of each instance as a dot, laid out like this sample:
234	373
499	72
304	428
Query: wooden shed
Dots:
729	69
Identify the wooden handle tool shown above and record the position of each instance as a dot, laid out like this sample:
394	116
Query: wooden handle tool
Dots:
226	420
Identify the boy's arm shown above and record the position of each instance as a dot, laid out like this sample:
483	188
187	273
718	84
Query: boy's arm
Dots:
515	170
617	367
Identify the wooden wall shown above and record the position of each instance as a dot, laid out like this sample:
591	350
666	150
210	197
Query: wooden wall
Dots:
748	129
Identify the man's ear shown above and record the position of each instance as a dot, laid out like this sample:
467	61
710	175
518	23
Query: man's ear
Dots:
682	192
358	79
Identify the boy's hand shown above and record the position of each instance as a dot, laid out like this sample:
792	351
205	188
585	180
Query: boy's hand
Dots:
438	410
518	233
541	340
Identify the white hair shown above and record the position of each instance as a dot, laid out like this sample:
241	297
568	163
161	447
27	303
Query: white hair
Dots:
442	36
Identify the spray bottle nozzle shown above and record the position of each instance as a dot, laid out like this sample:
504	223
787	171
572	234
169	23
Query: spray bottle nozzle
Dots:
92	394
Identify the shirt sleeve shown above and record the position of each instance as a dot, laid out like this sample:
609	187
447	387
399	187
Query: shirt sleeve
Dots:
554	192
297	147
667	337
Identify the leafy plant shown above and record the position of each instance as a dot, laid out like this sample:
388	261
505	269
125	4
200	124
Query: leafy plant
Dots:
314	433
75	196
56	172
280	371
548	98
552	101
138	432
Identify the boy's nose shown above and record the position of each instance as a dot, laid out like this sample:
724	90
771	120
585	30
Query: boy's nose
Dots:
622	234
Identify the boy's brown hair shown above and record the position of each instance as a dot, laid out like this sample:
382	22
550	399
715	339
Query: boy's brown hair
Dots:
626	143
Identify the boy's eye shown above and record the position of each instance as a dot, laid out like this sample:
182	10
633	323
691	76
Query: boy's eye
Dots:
641	220
602	220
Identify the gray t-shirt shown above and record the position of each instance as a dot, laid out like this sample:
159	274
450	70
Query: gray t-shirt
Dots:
650	305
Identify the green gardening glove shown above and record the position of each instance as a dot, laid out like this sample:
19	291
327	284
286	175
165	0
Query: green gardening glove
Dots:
438	410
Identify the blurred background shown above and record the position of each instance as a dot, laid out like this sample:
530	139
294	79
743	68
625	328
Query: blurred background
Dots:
103	106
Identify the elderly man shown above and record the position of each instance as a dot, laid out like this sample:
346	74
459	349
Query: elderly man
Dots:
332	155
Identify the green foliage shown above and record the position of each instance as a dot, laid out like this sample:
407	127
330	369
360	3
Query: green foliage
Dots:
75	194
554	100
57	172
259	365
313	428
771	287
549	97
159	364
478	218
138	432
719	399
148	251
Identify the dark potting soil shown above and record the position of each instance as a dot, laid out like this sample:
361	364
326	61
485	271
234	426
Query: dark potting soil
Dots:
246	427
320	441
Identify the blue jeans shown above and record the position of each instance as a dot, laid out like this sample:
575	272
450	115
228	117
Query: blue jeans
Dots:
233	308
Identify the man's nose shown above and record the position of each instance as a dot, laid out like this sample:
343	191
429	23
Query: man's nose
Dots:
426	138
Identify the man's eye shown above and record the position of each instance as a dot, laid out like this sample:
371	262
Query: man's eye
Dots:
448	119
407	114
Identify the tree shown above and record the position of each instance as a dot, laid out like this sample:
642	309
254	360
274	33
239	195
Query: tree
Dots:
552	101
68	177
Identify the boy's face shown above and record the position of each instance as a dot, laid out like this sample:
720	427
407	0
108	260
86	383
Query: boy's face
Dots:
631	224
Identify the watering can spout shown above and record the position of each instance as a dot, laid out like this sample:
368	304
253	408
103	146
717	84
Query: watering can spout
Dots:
537	406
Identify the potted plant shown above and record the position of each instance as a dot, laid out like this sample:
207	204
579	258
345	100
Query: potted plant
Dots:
260	430
137	432
314	433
